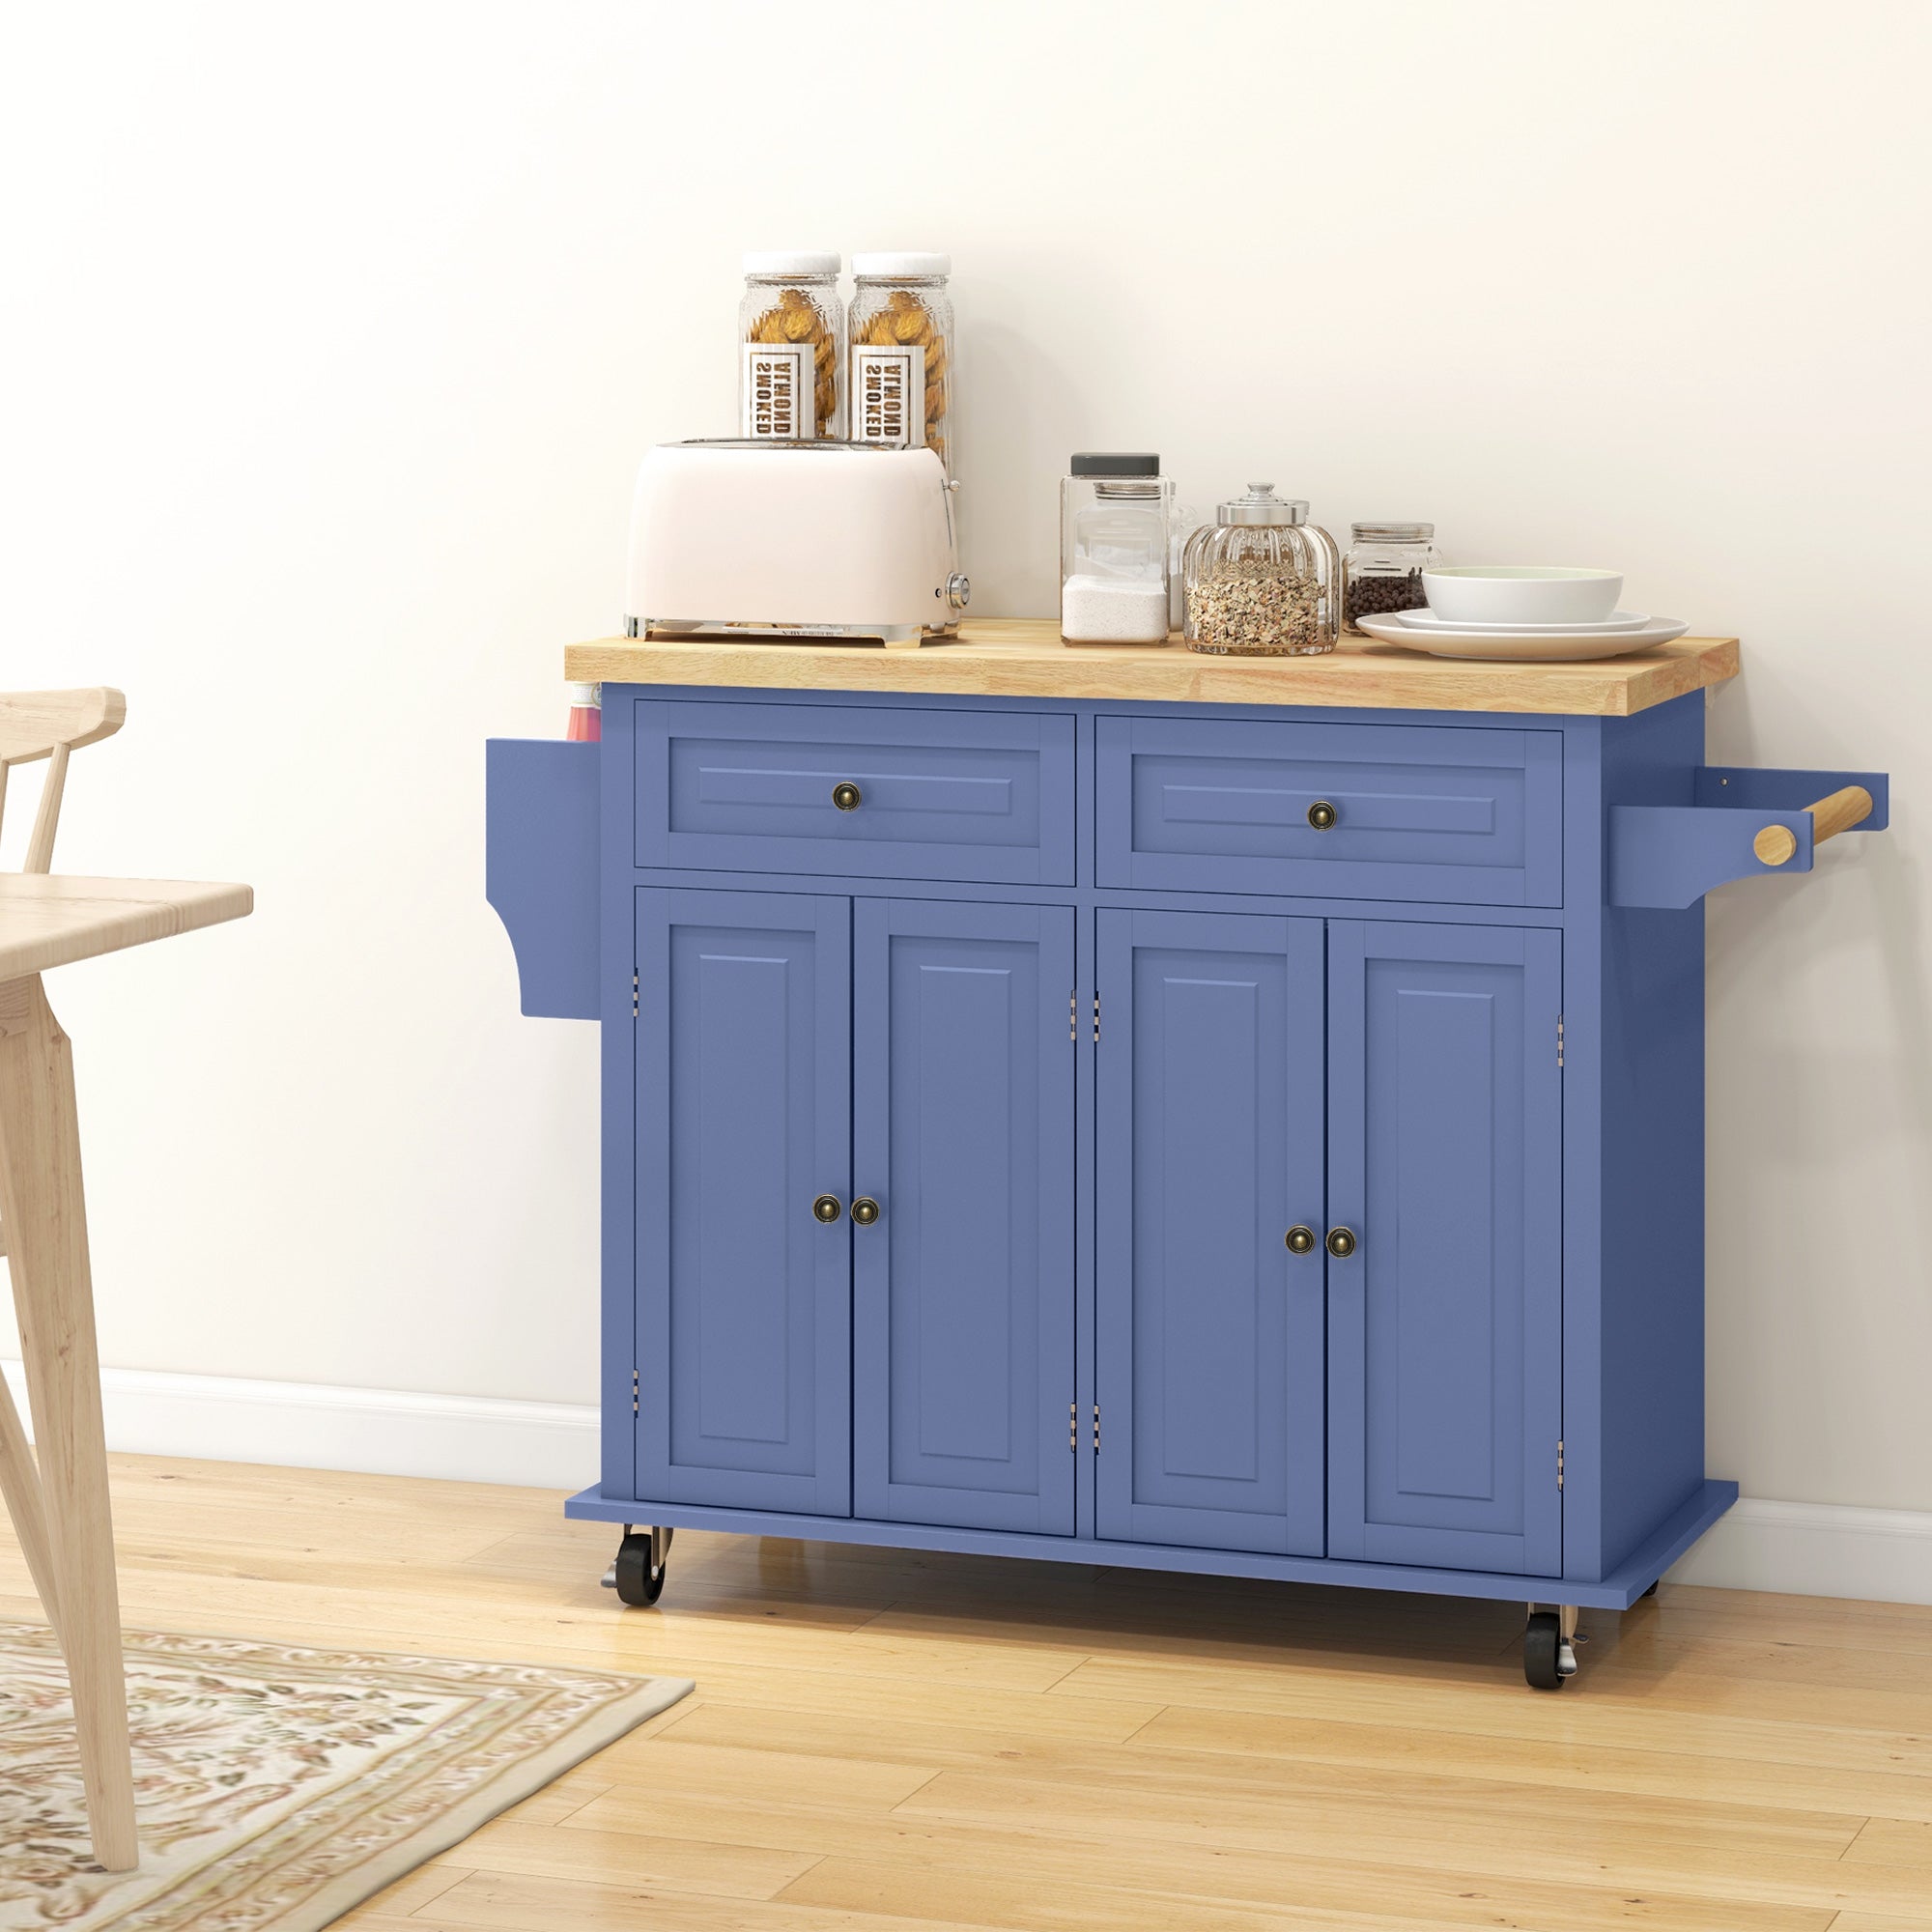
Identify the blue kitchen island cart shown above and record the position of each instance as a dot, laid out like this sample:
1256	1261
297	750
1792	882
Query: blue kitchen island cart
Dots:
1126	1106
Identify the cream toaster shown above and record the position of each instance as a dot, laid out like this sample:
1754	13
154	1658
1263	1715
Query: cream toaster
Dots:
835	540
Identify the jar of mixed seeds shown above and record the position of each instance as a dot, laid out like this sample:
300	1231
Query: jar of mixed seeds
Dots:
901	360
1383	571
791	337
1262	580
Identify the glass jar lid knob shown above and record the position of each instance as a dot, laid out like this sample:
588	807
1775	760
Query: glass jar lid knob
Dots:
1261	506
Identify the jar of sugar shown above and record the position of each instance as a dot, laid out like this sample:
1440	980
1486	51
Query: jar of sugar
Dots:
1115	510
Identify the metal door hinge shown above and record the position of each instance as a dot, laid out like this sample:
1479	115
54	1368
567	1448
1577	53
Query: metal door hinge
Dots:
1073	1427
1560	1040
1073	1016
634	1391
1559	1463
633	992
1097	1428
1096	1019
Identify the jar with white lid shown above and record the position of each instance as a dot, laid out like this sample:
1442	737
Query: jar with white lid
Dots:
1262	579
900	357
1382	570
791	337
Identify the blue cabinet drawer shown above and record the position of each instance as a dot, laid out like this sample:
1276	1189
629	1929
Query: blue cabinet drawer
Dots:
895	794
1413	811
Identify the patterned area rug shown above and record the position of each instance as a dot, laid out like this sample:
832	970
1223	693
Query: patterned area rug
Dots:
277	1787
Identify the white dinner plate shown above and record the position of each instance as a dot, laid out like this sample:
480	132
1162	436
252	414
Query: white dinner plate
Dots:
1617	620
1551	646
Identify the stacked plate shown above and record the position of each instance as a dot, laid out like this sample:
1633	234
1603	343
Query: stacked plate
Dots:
1537	612
1617	635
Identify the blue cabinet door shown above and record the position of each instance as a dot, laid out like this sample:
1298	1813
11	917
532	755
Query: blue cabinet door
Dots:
744	1299
1208	1331
963	1288
1445	1324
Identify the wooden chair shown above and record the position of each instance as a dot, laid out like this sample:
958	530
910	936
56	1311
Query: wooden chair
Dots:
32	726
36	725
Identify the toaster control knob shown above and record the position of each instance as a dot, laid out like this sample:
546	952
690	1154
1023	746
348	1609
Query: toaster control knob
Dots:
959	588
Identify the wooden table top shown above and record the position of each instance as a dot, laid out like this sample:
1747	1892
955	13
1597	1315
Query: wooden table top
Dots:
1021	657
53	920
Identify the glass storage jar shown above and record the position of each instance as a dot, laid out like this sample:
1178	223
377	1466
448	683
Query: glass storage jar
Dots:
791	336
1382	570
901	364
1262	580
1115	511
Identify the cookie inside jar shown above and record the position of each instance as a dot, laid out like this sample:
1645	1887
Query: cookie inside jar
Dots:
900	355
791	330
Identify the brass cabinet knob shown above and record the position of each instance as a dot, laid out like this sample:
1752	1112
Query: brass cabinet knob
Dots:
864	1212
826	1208
1341	1242
1322	815
1301	1241
847	797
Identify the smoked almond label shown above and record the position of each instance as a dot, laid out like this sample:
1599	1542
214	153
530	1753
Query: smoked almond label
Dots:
778	384
888	389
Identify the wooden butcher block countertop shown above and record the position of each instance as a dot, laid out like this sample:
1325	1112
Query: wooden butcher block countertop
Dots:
1022	657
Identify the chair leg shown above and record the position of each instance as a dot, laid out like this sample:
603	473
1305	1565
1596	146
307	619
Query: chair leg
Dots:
46	1225
21	1491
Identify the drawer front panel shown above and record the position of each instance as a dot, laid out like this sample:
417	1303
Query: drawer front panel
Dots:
1421	811
969	795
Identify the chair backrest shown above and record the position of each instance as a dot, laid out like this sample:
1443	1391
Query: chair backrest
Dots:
49	725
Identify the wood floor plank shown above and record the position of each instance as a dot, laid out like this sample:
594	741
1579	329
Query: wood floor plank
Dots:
1711	1817
632	1859
504	1902
1581	1901
1829	1732
992	1900
896	1741
1659	1773
1894	1841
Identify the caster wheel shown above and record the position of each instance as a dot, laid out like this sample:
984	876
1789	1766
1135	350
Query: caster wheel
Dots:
1652	1591
639	1573
1542	1648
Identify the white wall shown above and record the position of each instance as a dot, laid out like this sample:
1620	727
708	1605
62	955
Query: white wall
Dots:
333	333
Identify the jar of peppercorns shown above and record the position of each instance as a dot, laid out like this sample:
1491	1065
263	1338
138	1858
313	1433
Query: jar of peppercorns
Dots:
900	362
791	337
1383	571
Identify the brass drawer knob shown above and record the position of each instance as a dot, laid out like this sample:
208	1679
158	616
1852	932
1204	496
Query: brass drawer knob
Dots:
1301	1241
1322	815
847	797
864	1212
1341	1242
826	1208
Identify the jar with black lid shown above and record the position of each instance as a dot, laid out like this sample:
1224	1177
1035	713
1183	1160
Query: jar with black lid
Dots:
1383	571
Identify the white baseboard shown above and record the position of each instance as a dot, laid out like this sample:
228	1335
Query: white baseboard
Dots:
1816	1550
1809	1549
550	1445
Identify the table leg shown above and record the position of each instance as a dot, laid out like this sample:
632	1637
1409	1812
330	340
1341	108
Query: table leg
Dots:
46	1217
21	1491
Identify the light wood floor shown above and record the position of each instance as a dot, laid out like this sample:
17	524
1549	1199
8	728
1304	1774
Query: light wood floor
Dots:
889	1743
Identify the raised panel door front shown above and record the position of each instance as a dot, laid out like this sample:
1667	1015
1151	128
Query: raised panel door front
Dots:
964	1285
744	1299
1445	1324
1208	1330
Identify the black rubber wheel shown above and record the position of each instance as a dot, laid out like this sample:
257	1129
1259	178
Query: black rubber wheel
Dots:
640	1576
1540	1644
1652	1591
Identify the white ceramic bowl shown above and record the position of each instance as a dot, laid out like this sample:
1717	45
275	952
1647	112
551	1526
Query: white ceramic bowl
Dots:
1521	593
